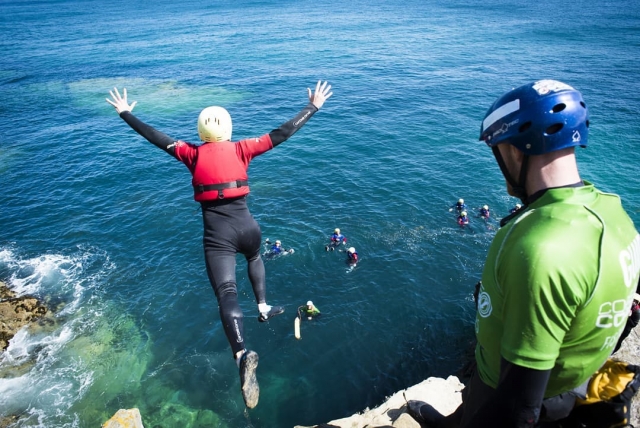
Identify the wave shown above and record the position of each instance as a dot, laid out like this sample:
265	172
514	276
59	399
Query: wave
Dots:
53	366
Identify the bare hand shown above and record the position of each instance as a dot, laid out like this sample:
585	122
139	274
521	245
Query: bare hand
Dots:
321	94
120	103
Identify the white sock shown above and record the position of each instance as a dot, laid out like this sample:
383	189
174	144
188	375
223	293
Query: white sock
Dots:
239	358
263	308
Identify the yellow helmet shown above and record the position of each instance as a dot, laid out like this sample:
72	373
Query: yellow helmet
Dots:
336	230
463	213
461	201
214	124
486	207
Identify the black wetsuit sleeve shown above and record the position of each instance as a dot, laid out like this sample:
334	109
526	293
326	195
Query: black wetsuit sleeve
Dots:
152	135
287	129
517	400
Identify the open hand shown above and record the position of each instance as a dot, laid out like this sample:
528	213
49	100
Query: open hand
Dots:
120	103
321	94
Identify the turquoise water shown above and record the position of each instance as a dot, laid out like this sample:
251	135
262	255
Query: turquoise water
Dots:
101	225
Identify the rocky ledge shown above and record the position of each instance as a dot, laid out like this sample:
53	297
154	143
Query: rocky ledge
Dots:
15	313
445	396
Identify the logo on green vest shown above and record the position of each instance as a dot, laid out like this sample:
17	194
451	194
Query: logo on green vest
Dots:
484	304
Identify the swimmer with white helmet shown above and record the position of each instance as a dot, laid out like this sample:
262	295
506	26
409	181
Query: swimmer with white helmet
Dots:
460	205
220	184
277	249
463	218
352	256
309	310
337	239
515	209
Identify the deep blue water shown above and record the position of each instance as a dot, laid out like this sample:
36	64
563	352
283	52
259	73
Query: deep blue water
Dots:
101	225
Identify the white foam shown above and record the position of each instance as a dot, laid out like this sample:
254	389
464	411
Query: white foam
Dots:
32	274
6	255
18	349
56	378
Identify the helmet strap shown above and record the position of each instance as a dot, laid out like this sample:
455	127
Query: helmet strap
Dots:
522	191
518	187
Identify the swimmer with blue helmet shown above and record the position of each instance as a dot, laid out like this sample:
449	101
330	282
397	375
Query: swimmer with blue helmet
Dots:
534	358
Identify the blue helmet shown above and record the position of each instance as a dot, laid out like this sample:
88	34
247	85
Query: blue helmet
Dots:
538	118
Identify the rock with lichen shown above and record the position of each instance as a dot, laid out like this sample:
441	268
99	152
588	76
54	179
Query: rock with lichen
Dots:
125	418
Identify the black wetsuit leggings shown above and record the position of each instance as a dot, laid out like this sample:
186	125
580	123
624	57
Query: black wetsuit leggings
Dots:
473	397
229	229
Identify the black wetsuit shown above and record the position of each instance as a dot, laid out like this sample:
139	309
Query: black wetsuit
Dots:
229	228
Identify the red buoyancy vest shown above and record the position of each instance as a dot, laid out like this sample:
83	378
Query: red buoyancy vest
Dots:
223	163
218	163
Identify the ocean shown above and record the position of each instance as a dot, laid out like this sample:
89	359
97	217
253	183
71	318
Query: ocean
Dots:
101	226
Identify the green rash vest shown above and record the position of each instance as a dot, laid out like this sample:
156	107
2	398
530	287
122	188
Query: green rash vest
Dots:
310	313
557	287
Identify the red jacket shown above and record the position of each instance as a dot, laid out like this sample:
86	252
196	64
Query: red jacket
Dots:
220	163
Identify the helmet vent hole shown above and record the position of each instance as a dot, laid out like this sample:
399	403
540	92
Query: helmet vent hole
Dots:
554	128
583	104
524	127
587	123
559	107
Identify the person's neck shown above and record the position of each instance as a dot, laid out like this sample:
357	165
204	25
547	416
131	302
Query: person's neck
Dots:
556	169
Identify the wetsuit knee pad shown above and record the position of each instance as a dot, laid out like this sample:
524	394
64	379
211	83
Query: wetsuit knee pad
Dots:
228	303
231	317
226	290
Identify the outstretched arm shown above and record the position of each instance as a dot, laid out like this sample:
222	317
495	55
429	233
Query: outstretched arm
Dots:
316	100
152	135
